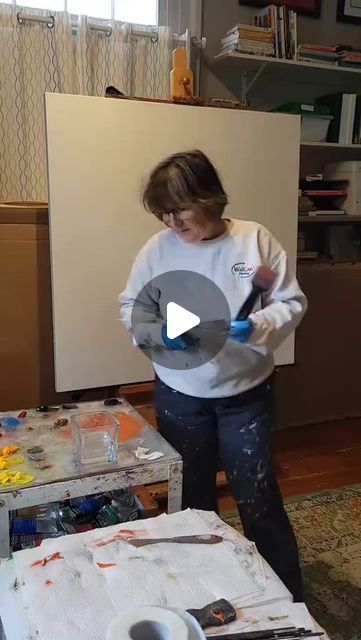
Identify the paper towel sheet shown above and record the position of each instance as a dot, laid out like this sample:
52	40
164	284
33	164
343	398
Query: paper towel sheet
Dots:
99	574
66	597
274	590
172	575
16	627
16	624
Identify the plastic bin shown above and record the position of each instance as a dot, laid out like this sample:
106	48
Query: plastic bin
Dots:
315	119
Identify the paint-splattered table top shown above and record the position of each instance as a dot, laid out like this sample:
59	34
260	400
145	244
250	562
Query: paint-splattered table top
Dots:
52	432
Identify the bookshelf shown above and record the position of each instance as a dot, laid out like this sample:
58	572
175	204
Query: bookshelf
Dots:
334	218
330	145
316	79
271	81
329	246
253	62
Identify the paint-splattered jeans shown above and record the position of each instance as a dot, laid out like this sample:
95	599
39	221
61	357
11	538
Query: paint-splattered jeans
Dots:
234	434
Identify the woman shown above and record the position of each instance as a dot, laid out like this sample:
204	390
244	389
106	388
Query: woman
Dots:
222	411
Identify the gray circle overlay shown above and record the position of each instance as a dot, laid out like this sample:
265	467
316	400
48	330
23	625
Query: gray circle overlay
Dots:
195	293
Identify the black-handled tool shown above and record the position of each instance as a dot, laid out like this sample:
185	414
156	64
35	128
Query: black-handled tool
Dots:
263	280
215	614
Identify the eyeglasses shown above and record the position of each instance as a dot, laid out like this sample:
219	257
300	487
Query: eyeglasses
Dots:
178	215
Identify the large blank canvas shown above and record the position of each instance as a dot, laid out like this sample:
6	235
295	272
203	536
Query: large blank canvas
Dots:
100	152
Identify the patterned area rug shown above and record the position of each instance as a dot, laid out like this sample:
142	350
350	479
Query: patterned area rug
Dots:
328	529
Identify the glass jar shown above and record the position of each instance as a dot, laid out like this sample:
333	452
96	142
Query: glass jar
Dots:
95	437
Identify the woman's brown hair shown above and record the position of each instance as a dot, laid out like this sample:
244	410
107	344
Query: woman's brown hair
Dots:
182	181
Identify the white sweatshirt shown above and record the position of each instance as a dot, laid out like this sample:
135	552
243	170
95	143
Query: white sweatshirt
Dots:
230	262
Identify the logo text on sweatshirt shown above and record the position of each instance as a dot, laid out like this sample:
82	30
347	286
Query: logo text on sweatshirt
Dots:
243	270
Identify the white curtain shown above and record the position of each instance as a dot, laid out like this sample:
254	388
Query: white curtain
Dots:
35	58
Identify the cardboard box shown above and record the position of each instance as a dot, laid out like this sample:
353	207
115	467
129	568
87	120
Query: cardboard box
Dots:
26	329
324	384
26	357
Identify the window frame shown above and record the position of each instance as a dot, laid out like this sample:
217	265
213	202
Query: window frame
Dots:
19	6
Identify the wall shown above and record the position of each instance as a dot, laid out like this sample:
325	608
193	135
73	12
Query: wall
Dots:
181	15
220	15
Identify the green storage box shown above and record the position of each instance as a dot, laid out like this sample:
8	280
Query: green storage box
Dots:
315	119
302	109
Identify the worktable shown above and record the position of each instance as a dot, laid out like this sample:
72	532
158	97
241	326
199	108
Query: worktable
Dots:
36	595
66	479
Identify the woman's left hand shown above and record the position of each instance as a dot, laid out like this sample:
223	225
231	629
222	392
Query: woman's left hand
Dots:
241	330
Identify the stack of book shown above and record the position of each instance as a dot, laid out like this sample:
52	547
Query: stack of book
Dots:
319	54
273	34
283	23
350	58
345	127
339	54
321	197
250	39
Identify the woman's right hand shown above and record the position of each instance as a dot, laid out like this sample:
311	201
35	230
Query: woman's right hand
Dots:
181	343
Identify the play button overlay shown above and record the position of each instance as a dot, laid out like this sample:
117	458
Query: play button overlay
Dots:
179	320
190	306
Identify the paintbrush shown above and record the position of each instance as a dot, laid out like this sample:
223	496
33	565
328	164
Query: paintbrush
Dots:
259	635
287	633
201	539
263	281
292	635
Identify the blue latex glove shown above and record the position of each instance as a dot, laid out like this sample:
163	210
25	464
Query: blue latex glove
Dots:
241	330
177	344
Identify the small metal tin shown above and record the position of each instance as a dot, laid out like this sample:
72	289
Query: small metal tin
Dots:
111	402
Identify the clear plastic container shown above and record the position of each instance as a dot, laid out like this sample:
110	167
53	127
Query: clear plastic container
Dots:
95	437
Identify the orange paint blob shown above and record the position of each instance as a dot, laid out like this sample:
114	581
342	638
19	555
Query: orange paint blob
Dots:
219	616
9	451
45	561
121	536
106	566
130	426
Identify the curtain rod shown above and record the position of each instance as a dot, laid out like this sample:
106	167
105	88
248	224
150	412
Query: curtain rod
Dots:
96	26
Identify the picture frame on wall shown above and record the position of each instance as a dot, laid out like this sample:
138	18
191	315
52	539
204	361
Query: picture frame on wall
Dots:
349	11
311	8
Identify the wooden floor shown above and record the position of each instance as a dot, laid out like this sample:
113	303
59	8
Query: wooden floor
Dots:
309	459
315	458
320	457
